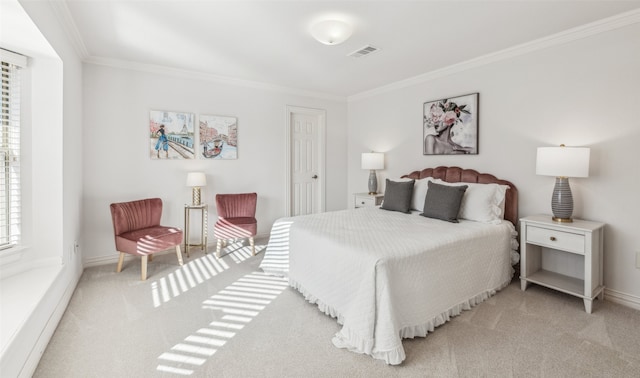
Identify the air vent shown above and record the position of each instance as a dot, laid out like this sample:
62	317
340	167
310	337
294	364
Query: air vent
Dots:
366	50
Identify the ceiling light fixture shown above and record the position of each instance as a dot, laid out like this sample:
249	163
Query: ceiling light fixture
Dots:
331	32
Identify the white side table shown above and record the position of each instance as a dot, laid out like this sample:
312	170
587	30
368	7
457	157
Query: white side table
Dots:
584	239
204	225
367	200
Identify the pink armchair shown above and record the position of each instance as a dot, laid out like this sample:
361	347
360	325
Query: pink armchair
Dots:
137	230
236	218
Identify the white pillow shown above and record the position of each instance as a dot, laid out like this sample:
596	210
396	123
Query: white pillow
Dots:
502	191
481	202
420	193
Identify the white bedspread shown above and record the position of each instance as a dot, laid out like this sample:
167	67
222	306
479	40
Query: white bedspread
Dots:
386	275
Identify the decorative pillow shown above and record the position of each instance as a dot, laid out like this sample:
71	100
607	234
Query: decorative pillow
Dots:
443	201
397	195
420	193
481	202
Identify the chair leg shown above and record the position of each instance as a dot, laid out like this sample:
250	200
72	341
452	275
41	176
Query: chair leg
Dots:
144	267
218	247
179	254
120	261
253	246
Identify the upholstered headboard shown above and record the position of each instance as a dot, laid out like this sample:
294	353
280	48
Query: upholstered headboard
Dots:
457	174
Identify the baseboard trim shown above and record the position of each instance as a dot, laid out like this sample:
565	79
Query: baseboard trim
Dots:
622	298
101	260
113	259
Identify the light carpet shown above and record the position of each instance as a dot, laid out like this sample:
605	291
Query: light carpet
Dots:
225	318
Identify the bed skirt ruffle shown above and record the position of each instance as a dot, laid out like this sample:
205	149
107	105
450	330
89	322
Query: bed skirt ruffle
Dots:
323	307
355	343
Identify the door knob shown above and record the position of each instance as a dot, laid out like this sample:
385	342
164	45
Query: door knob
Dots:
314	176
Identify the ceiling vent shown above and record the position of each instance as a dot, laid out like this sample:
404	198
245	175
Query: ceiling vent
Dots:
364	51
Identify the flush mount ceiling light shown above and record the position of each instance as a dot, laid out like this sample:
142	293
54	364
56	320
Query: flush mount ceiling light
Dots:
331	32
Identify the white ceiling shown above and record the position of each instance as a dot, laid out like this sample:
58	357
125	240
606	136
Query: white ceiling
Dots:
269	41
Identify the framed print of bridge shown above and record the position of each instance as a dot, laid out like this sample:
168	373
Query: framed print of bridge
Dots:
171	135
218	137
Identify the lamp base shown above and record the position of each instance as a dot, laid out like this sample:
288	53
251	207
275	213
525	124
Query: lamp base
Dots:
562	201
562	220
373	182
195	193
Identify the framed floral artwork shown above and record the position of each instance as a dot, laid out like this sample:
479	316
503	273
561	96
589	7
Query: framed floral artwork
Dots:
218	137
450	126
171	135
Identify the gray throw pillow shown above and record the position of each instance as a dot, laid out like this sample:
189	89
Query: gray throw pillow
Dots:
397	196
443	201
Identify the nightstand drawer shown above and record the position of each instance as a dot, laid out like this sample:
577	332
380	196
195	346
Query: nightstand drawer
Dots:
562	240
367	200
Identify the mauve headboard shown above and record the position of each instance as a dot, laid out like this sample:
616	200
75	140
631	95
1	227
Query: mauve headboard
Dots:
457	174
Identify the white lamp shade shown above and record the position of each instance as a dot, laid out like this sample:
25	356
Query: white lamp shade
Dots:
331	32
372	160
563	161
196	179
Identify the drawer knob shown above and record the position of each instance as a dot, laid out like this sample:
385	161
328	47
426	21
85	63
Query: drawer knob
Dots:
553	238
362	202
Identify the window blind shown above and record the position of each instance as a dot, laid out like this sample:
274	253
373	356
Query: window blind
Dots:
10	205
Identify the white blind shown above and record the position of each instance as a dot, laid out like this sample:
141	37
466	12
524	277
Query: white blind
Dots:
10	211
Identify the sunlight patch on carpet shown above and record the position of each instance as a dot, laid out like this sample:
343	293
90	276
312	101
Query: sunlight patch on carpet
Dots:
185	278
235	306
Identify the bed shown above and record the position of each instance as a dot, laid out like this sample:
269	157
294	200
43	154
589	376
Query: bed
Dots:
388	275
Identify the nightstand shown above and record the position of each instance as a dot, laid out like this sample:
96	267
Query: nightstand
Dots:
367	200
563	256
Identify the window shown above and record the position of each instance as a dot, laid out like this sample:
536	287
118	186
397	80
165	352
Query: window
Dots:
10	209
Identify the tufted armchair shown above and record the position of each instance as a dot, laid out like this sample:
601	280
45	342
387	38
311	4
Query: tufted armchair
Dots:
236	218
137	231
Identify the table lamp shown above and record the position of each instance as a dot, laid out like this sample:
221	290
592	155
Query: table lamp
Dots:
373	161
562	162
196	180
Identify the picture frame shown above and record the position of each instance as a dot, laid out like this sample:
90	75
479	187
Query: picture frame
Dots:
450	126
218	137
171	135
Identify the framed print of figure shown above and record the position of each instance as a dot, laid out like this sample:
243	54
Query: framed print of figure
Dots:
450	126
170	135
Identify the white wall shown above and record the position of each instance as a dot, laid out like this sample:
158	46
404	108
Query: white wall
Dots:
116	161
581	93
48	271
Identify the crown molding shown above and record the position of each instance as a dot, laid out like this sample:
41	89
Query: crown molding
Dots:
580	32
63	14
195	75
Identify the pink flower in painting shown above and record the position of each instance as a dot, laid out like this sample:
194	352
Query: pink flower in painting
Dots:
443	114
450	118
435	113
